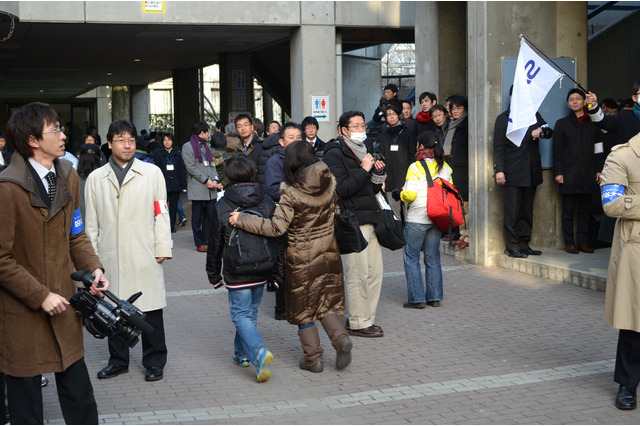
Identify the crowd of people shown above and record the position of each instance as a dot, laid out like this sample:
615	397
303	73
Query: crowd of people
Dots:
282	184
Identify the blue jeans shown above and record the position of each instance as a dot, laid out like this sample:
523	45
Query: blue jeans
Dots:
243	305
180	209
426	238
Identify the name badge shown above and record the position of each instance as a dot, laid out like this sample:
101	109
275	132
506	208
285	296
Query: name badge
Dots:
394	148
206	163
170	167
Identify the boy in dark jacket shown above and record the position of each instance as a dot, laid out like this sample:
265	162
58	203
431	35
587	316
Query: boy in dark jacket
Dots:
245	291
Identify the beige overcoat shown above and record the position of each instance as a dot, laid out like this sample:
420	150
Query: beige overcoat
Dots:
129	230
622	300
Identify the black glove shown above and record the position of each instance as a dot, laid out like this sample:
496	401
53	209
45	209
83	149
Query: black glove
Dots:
395	194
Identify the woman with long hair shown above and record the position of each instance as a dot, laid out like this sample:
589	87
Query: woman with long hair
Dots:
313	269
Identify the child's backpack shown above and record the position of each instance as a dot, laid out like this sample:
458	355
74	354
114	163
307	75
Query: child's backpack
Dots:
249	254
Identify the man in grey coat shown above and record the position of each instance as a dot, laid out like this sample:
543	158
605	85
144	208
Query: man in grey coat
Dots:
202	183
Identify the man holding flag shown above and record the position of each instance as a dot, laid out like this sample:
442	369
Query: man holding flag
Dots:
516	154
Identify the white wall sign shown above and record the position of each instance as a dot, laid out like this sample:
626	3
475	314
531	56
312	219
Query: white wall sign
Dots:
320	107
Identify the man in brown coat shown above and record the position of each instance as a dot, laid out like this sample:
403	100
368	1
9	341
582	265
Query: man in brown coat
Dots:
42	239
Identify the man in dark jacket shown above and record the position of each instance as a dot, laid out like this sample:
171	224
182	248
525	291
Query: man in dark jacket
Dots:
359	177
310	129
42	240
519	169
390	95
626	124
575	169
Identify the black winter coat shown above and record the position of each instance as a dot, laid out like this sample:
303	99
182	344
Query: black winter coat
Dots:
175	179
246	196
625	125
398	145
354	187
459	160
573	155
269	147
521	165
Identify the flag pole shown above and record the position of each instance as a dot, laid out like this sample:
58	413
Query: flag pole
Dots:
557	66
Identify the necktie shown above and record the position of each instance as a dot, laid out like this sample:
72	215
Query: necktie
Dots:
51	178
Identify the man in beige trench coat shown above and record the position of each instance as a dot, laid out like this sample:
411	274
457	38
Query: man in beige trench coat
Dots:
620	188
128	224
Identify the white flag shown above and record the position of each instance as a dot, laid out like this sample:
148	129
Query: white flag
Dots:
533	80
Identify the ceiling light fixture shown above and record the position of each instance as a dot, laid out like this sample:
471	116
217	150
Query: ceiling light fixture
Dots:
179	39
137	60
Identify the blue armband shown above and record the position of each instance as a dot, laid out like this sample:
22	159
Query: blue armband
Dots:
611	192
76	223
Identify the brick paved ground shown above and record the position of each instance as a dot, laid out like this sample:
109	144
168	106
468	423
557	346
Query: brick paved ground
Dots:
504	348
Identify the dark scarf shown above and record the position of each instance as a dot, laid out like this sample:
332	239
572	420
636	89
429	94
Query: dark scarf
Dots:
120	171
583	117
425	153
196	141
423	117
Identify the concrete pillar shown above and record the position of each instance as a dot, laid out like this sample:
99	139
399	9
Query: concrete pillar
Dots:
313	66
120	103
236	85
186	103
452	49
493	29
426	41
140	107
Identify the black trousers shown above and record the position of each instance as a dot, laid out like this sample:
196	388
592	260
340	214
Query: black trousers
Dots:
75	394
627	371
154	349
202	213
172	200
3	408
518	216
571	203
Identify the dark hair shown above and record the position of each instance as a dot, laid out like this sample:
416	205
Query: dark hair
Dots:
627	103
199	128
270	123
297	156
460	100
345	119
258	125
93	135
239	168
309	121
636	87
288	125
609	103
243	117
434	140
578	91
429	95
438	107
391	87
89	160
168	135
120	126
220	124
28	121
395	107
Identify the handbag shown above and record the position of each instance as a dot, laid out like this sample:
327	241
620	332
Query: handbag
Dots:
389	230
444	202
347	231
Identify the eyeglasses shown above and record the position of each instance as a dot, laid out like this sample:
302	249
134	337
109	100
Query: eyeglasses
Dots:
124	141
437	115
61	129
361	127
457	108
242	126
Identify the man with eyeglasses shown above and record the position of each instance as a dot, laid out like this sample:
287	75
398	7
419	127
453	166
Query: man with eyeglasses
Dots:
128	224
251	144
42	241
620	186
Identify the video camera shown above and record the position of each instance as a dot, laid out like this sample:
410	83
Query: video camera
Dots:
103	319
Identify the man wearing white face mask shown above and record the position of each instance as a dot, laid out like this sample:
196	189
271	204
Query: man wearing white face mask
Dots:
359	177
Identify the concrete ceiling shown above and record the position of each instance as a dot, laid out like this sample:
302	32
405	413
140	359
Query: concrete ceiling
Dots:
56	62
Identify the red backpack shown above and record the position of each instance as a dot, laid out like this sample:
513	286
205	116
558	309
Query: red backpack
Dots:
444	202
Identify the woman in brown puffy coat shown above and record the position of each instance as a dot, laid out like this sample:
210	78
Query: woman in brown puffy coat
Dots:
313	270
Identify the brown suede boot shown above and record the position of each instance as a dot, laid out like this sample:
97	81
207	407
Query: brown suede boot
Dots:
339	339
310	341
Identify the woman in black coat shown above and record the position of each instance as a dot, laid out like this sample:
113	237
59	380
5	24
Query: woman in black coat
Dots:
170	162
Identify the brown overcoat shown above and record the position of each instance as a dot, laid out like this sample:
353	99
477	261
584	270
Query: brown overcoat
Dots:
313	270
622	299
37	256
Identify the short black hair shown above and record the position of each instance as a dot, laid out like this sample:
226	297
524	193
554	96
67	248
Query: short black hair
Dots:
345	118
438	107
391	87
119	127
28	121
609	103
395	107
309	121
288	125
199	128
460	100
240	168
243	117
636	87
578	91
431	96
